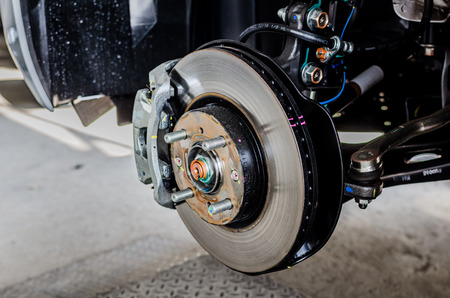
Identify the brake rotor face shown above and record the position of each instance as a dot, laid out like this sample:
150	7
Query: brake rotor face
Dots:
267	240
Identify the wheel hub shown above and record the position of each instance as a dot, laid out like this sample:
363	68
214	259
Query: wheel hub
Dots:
209	162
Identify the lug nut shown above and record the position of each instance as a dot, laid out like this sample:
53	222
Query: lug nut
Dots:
311	74
175	136
215	143
182	195
220	207
317	19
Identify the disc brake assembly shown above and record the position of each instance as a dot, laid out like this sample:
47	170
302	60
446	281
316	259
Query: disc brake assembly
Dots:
225	140
243	146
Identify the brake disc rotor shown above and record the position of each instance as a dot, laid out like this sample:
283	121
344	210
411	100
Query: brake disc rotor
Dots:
254	169
266	240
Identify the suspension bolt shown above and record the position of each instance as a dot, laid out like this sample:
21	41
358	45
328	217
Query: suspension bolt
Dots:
317	19
311	74
363	204
220	207
175	136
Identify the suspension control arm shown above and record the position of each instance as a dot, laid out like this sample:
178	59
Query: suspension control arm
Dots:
366	168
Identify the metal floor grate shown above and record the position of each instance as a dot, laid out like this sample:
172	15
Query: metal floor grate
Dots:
202	277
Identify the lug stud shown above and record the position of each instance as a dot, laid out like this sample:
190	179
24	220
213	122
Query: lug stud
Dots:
215	143
220	207
175	136
182	195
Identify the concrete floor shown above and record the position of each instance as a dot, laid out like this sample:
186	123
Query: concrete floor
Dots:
70	199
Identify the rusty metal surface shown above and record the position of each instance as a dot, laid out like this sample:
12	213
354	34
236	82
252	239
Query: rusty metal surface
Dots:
201	127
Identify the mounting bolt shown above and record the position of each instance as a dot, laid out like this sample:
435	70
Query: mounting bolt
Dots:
178	161
363	204
220	207
175	136
234	175
323	54
317	19
164	122
213	144
165	169
282	13
311	74
182	195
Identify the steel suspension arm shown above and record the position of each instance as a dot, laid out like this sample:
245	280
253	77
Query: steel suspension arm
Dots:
364	179
369	158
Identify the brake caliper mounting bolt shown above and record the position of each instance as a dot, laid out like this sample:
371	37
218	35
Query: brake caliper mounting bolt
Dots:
175	136
213	144
220	207
182	195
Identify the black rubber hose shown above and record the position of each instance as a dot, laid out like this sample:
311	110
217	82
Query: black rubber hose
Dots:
282	29
424	22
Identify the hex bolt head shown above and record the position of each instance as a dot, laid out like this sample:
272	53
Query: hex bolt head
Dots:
317	19
311	74
164	122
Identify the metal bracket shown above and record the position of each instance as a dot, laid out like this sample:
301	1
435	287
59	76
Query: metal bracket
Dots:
340	47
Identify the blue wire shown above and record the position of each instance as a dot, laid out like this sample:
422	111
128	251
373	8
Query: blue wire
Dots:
337	96
348	20
343	79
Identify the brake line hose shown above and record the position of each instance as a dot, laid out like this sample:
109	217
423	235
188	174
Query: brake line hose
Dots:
282	29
